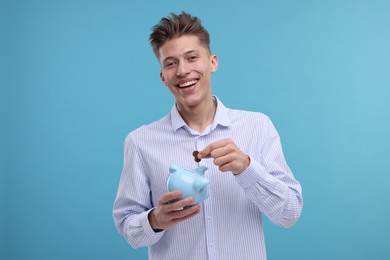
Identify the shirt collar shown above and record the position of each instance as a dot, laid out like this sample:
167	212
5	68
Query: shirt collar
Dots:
221	117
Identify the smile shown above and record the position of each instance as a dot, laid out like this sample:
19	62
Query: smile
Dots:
187	84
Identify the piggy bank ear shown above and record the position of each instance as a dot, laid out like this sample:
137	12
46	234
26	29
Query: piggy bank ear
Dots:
172	168
200	183
201	169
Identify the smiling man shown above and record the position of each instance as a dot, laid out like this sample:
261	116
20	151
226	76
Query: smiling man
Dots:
186	70
248	175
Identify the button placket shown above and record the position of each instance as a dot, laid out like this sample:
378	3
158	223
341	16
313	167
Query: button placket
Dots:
208	205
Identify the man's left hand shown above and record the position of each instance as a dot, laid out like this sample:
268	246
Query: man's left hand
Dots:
227	156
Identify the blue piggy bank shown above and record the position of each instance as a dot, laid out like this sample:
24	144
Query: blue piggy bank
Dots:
191	183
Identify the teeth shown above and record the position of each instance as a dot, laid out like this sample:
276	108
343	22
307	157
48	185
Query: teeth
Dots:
189	83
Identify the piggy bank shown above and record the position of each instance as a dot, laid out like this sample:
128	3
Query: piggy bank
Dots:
191	183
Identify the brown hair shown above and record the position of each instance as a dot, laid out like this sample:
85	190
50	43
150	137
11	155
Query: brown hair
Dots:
175	26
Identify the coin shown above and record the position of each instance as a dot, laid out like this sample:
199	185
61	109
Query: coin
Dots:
195	154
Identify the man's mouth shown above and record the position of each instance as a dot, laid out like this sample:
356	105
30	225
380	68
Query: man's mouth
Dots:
187	84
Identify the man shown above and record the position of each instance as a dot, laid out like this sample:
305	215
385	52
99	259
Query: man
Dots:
247	172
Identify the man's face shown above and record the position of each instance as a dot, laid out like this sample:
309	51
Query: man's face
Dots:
186	70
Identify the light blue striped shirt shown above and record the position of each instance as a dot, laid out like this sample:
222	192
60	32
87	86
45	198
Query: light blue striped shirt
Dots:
229	225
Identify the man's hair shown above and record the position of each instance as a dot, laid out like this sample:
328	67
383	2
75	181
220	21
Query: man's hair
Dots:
174	26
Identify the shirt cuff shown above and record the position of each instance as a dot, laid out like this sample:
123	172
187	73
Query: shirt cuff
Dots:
251	175
144	221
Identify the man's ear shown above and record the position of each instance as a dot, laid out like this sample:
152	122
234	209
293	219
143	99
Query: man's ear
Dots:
214	63
162	78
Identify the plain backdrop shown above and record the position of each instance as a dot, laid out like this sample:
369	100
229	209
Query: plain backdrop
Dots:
78	76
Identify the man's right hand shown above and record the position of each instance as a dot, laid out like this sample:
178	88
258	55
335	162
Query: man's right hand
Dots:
167	214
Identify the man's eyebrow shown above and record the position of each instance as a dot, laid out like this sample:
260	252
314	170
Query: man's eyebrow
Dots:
185	54
167	58
191	52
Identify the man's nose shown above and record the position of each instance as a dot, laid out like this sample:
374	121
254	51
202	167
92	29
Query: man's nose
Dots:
183	69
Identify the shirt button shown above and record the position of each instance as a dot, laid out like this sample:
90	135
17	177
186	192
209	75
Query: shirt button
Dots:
208	217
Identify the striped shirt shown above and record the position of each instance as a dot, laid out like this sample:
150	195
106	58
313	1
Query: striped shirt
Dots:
229	225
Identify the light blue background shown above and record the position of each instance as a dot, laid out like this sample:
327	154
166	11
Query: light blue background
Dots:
77	76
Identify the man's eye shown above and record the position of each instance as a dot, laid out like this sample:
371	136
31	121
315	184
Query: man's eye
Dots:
192	58
169	64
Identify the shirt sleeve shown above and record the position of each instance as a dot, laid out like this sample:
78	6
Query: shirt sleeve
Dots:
270	184
132	204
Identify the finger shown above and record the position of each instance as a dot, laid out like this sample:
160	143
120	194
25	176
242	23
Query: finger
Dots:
225	152
185	213
206	152
225	167
234	166
221	160
188	215
169	196
182	203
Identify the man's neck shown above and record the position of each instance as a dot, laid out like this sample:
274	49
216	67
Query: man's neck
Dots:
199	117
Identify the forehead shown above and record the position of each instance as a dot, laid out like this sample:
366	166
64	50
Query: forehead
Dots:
179	46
